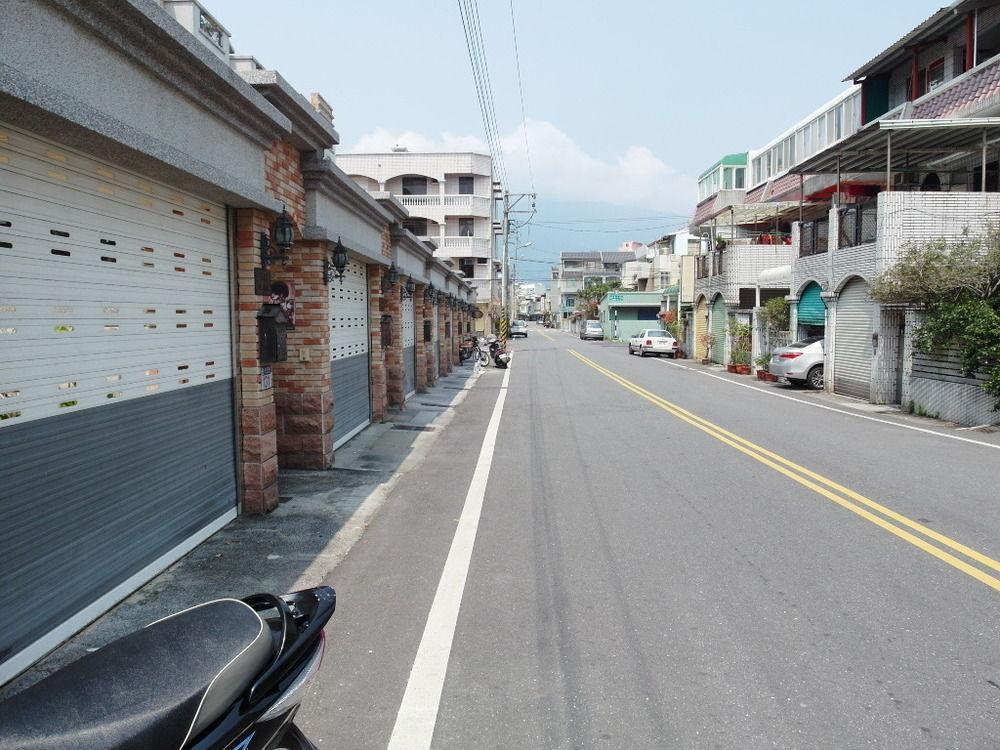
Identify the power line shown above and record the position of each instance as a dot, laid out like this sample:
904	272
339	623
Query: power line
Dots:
608	221
520	91
618	230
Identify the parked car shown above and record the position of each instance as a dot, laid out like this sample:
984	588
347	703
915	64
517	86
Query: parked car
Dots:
519	328
653	341
592	330
801	362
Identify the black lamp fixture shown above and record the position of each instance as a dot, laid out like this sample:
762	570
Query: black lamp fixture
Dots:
390	278
339	263
409	288
284	238
429	293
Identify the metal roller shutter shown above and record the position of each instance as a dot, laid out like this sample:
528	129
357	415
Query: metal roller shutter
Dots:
116	399
719	320
852	368
409	348
349	353
811	310
700	329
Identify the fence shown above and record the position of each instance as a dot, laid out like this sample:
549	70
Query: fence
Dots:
814	237
858	224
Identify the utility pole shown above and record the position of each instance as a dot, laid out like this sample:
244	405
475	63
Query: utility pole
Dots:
510	202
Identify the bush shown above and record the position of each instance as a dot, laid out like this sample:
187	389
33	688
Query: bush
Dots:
775	314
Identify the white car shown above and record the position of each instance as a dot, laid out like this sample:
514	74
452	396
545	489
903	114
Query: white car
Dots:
519	328
653	341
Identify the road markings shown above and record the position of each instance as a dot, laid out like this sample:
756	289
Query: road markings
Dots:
417	715
545	335
848	499
767	392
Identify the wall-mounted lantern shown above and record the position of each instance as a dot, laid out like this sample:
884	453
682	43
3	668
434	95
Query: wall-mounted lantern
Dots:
390	278
409	288
284	238
430	293
339	263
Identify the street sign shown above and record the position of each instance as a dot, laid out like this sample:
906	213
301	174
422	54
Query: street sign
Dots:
616	298
266	378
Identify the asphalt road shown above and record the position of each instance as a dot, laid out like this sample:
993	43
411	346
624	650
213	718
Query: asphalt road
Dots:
668	560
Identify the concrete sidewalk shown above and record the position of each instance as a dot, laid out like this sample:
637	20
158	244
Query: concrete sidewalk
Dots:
320	517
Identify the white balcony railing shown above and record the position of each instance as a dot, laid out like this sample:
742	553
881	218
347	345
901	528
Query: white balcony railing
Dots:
459	204
472	244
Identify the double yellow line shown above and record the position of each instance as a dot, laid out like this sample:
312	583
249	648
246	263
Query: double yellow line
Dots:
886	518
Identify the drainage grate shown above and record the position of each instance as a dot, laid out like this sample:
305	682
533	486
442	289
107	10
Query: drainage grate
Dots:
414	427
284	498
439	406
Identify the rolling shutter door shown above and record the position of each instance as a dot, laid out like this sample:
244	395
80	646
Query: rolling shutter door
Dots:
409	349
853	341
811	310
719	331
700	328
116	398
349	347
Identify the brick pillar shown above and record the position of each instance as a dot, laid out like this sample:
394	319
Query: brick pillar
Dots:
378	379
443	361
432	373
302	387
395	376
418	338
258	449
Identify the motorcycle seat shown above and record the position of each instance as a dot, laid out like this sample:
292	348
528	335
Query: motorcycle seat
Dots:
154	689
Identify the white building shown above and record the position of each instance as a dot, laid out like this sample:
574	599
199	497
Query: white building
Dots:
450	200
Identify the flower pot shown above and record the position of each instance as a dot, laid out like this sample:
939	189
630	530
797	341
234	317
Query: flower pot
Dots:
731	368
761	375
743	369
770	377
706	361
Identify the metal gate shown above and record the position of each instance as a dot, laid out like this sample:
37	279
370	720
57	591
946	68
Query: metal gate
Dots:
349	353
852	368
409	348
700	329
719	320
116	398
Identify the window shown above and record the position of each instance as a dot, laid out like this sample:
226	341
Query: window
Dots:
467	267
414	186
466	227
838	132
740	178
417	226
935	74
466	185
727	180
482	261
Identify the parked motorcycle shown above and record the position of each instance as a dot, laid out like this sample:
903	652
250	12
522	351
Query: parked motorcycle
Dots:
501	357
225	675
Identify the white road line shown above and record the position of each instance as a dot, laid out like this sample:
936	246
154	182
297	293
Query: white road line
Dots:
414	727
831	408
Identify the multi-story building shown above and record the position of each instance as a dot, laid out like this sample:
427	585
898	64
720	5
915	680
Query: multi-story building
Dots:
450	200
577	270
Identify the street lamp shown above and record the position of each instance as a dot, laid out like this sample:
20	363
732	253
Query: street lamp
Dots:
284	237
339	263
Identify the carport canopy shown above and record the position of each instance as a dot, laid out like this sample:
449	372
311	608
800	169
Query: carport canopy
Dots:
888	145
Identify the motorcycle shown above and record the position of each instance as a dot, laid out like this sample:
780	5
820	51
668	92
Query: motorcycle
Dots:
501	357
225	675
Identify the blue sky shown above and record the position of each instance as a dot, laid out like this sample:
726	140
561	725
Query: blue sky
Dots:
627	102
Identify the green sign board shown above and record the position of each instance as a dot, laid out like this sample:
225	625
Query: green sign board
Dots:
616	298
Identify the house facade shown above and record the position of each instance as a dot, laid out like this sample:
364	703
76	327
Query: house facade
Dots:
450	199
577	270
174	322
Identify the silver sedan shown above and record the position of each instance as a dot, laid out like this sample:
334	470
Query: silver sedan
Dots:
801	362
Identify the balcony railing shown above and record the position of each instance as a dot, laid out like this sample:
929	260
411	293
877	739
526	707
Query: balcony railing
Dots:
858	224
459	203
814	237
472	244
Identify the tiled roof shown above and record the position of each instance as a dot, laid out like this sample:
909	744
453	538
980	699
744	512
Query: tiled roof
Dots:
972	90
784	188
705	209
755	195
587	255
616	257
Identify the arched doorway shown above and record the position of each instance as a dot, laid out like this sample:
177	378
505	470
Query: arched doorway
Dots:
700	328
719	321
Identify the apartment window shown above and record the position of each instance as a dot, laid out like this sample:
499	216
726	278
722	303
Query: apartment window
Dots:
414	186
483	261
417	226
739	179
467	267
466	227
727	180
466	185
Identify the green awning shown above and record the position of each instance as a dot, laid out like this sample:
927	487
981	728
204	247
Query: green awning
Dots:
812	311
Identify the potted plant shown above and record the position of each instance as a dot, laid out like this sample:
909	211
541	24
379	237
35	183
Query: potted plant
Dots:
739	358
761	362
705	340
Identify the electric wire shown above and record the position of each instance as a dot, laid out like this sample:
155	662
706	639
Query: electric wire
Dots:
469	12
520	91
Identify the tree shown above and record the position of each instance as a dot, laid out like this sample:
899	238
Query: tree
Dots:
775	314
958	286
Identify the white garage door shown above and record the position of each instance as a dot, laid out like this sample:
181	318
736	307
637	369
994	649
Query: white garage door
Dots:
852	367
349	348
116	400
409	348
435	308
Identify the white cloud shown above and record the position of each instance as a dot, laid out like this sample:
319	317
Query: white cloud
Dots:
562	169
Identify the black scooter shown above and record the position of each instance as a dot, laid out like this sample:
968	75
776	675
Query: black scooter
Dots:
224	675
